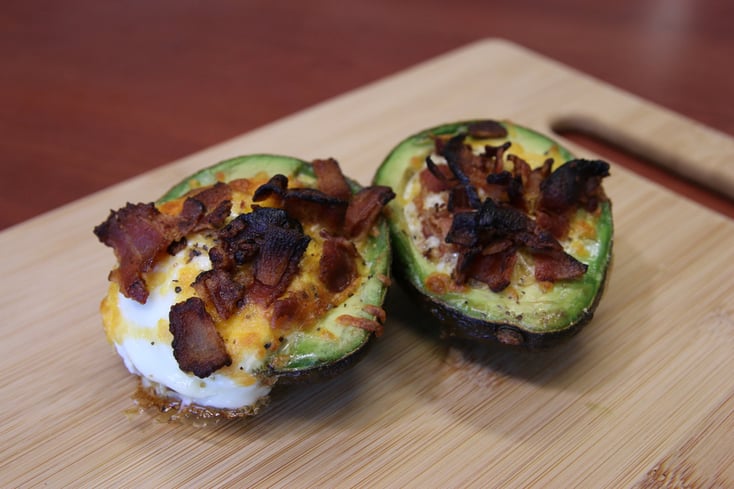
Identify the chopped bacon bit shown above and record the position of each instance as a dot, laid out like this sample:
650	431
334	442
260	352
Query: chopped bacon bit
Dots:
438	283
437	177
575	182
205	209
337	266
375	311
219	259
552	266
496	155
276	186
217	216
436	222
384	279
362	323
273	241
467	168
556	224
288	308
137	233
464	231
532	181
463	197
197	346
221	290
330	179
431	182
191	213
278	248
365	208
487	129
176	246
212	197
242	185
312	205
494	269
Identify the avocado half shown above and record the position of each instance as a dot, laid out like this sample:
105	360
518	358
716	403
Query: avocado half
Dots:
309	355
528	312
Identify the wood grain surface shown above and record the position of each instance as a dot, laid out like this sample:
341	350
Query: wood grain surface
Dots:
92	93
642	397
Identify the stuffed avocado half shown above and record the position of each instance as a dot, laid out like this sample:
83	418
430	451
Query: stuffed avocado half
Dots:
499	231
259	269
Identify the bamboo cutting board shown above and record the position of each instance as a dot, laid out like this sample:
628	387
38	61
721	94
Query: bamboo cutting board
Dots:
643	397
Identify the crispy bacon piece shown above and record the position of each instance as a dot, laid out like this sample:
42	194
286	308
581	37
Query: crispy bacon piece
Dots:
310	204
365	208
487	129
462	162
494	269
496	155
197	346
273	242
437	178
137	233
276	186
330	179
463	197
285	309
464	229
488	241
551	266
502	221
531	179
377	312
337	266
577	182
213	196
220	260
279	248
205	209
313	205
217	202
221	290
360	322
431	182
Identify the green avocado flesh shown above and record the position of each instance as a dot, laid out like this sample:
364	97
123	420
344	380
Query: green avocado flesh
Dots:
327	346
526	312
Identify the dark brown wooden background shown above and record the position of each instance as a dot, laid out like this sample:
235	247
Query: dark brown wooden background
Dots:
93	92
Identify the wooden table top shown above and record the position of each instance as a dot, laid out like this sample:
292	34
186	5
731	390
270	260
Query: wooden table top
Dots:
92	93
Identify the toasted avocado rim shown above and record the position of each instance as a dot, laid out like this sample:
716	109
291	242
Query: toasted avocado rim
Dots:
329	347
477	312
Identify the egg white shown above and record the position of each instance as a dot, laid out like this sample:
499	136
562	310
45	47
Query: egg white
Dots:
141	337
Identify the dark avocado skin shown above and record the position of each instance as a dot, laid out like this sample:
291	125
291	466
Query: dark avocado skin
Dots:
323	372
454	323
